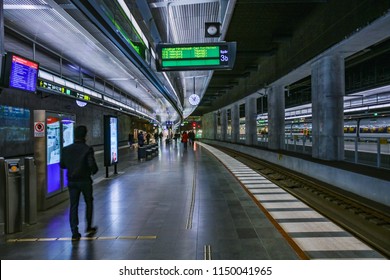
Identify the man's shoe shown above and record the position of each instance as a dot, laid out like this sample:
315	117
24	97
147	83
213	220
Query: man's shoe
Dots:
76	237
91	230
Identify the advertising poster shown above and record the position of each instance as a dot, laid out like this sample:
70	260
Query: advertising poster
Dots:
67	139
110	140
113	139
14	126
67	132
53	150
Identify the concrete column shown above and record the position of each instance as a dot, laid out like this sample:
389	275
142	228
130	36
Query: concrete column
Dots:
235	123
250	121
328	88
215	125
276	118
209	126
223	124
229	125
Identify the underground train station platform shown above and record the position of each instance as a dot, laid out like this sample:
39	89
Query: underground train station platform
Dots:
178	205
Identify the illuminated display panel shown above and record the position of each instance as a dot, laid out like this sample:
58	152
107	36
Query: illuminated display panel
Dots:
113	140
52	87
182	57
53	150
21	73
67	139
110	140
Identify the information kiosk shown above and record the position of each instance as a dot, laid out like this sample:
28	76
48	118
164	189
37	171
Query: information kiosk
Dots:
52	132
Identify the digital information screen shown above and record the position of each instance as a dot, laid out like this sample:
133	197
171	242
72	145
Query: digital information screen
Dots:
23	73
187	57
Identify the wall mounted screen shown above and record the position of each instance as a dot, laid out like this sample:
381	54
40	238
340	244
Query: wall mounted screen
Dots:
21	73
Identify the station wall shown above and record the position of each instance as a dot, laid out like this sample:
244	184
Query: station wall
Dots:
17	120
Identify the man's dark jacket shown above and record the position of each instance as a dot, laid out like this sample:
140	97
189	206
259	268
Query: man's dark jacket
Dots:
79	159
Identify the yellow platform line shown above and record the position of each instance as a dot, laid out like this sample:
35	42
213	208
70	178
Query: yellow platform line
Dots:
47	239
147	237
127	237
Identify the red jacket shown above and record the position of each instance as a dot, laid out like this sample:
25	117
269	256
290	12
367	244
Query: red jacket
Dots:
184	137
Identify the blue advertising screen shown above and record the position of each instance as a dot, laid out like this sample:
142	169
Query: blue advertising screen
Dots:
53	142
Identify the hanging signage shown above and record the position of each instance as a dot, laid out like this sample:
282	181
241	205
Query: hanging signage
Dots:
202	56
48	86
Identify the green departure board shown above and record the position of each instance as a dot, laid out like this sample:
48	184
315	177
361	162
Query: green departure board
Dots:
182	57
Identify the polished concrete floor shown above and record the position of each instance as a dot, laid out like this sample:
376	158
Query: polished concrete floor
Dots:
179	205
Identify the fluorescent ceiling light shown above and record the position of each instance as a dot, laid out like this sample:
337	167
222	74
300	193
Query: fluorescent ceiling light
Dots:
25	7
180	3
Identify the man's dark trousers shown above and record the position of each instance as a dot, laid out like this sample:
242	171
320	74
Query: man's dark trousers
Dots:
75	189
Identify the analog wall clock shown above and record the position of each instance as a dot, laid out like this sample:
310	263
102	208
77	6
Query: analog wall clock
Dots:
194	99
212	30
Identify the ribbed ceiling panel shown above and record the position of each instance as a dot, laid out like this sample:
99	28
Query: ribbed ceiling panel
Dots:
32	3
186	25
186	20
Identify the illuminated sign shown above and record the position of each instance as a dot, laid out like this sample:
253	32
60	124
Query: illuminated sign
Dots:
67	139
53	150
21	73
64	90
110	140
204	56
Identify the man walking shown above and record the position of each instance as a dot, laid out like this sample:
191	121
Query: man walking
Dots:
78	158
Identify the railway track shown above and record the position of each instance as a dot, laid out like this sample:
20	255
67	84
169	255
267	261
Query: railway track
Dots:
364	219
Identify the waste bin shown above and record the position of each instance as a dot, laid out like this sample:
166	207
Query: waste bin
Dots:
13	196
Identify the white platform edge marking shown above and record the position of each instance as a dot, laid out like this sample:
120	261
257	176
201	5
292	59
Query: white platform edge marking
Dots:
305	243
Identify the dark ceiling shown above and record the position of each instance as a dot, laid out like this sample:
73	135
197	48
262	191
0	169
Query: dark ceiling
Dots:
274	37
258	28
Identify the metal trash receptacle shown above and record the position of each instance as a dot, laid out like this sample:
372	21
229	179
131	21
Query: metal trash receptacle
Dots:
13	196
